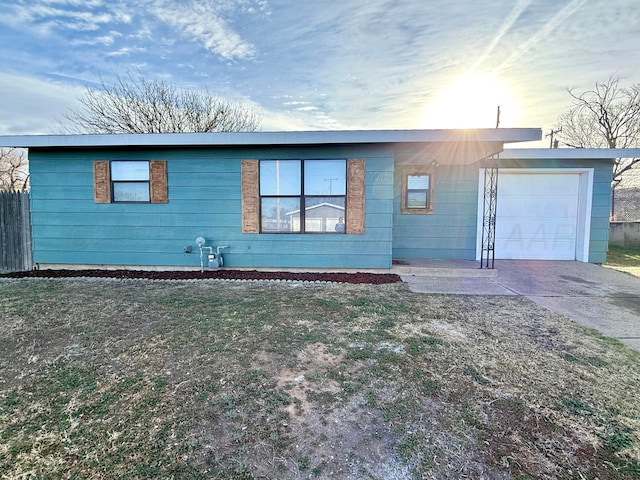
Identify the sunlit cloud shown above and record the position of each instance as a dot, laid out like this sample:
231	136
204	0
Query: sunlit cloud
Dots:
471	101
507	24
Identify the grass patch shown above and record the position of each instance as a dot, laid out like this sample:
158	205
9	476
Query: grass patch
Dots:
135	379
625	259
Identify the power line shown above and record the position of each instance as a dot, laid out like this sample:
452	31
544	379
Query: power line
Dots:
551	134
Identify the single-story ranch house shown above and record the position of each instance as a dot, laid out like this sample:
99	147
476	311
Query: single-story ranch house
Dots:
318	199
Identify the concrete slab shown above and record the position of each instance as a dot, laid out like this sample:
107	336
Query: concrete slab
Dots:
566	278
426	283
442	268
602	314
597	297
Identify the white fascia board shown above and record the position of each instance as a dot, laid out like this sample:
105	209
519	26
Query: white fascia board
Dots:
331	137
569	153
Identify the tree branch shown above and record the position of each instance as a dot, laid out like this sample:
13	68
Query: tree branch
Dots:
139	105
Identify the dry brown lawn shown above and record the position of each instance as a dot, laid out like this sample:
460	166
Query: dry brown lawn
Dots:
142	379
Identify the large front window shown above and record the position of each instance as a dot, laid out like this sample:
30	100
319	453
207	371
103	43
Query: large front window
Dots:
303	196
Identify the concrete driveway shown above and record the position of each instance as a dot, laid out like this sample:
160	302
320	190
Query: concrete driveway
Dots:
595	296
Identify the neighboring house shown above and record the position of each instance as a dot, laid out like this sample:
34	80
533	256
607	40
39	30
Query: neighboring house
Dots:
325	199
320	218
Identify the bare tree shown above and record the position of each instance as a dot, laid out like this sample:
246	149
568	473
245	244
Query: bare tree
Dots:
138	105
14	174
605	117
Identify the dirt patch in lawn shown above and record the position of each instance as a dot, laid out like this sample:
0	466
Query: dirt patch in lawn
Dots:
239	380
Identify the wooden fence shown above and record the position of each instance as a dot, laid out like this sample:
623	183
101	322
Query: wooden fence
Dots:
15	232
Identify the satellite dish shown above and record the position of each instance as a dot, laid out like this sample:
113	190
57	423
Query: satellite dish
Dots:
200	242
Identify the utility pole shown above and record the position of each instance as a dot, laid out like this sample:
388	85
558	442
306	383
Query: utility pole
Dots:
553	144
331	180
498	117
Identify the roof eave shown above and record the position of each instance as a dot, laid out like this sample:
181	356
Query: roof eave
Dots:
330	137
569	153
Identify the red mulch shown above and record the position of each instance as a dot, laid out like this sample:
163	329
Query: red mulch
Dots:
371	278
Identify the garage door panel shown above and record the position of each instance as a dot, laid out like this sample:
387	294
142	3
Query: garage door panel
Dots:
521	207
551	229
537	216
537	250
539	184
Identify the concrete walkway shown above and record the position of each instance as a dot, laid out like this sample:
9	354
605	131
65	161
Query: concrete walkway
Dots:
595	296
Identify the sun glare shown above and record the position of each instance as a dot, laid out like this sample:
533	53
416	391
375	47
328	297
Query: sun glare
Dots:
469	102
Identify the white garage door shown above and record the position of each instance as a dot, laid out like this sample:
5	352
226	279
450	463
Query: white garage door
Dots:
537	215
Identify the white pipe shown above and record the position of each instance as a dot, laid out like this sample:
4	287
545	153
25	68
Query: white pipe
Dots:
202	248
200	241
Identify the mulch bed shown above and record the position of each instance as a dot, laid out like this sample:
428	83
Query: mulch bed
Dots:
359	277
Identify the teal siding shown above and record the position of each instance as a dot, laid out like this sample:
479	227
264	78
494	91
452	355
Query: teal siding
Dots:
601	209
450	231
204	200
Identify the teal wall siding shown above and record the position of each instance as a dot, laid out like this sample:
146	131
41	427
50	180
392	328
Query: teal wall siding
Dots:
601	209
204	200
450	231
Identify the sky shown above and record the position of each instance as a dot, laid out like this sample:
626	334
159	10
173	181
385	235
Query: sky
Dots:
323	64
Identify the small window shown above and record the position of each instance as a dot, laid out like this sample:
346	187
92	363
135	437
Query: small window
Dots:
130	181
417	191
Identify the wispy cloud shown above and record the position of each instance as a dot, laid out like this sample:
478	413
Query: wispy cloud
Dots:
204	22
32	105
74	3
329	63
362	52
507	24
555	21
121	52
301	106
66	15
105	40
